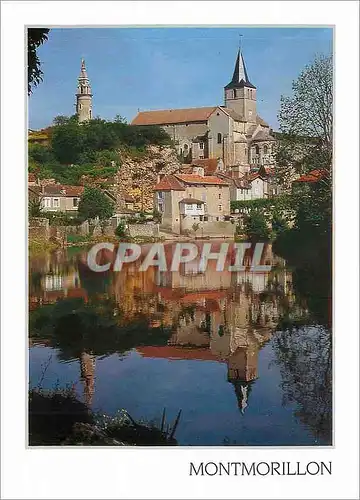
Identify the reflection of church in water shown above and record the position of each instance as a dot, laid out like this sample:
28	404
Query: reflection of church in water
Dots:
223	316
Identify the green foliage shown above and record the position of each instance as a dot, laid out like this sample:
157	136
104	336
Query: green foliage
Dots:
279	224
77	238
94	203
306	122
157	216
283	202
90	148
35	208
255	227
62	218
120	231
35	38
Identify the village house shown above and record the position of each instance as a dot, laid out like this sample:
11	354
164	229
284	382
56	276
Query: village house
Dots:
193	200
60	198
234	133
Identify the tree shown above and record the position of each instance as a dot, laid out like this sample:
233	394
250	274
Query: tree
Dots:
36	37
94	203
306	142
255	226
306	120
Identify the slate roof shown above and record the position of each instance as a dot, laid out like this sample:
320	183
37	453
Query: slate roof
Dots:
240	77
171	116
263	135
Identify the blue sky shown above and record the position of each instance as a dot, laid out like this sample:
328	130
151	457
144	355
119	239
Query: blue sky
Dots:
159	68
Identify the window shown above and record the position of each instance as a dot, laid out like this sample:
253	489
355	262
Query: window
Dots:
201	145
257	150
186	147
265	150
90	113
190	195
234	93
220	208
75	202
219	196
219	139
56	202
198	206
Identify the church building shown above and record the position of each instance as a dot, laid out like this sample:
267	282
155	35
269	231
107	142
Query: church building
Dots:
233	133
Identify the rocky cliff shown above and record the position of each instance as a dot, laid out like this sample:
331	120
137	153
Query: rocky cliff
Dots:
139	173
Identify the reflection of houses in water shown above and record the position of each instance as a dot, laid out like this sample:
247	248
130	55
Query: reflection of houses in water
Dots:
53	278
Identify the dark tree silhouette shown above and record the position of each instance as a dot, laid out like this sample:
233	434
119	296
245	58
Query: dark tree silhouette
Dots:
36	37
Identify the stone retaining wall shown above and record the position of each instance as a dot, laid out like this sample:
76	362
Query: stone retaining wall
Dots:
147	230
39	228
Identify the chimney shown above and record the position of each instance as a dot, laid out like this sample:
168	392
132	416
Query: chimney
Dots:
198	171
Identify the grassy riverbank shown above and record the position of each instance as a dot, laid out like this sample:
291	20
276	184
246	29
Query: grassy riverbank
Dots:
57	417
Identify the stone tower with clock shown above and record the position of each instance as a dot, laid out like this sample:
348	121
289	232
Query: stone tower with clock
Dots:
83	96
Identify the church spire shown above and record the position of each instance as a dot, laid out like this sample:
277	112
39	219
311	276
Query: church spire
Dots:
240	77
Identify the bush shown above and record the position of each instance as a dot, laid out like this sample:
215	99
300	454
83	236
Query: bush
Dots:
279	224
255	226
120	231
94	203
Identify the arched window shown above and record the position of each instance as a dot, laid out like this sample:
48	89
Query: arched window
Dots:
219	138
186	147
257	150
90	113
265	150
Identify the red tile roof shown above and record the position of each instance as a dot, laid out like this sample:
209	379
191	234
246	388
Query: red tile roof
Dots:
209	165
313	176
63	190
198	179
169	116
168	183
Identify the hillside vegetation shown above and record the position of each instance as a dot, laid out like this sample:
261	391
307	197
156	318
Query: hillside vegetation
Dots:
90	148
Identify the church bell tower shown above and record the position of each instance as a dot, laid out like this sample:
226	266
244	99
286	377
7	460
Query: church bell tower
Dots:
83	96
240	93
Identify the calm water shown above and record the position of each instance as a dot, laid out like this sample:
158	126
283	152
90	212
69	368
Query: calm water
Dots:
245	356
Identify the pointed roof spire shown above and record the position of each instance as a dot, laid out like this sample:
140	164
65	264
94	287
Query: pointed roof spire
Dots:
83	74
240	77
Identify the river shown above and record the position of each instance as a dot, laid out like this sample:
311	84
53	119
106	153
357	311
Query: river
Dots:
245	355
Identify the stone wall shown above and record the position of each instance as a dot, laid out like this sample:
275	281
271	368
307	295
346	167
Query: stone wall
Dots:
39	228
146	230
212	229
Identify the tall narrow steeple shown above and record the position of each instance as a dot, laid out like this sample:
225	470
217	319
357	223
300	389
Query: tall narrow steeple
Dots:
240	93
83	95
240	77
